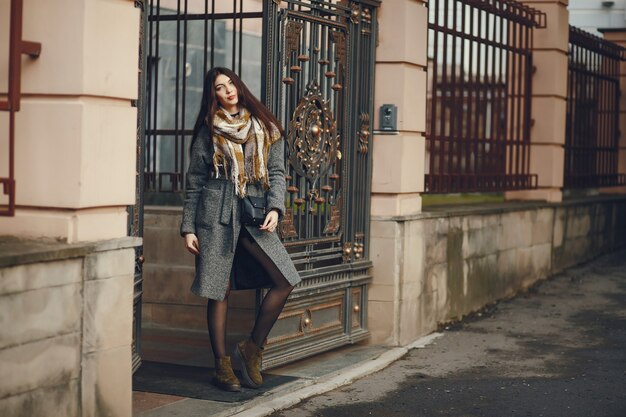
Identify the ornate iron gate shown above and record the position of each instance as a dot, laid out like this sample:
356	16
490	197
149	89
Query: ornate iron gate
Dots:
318	81
312	63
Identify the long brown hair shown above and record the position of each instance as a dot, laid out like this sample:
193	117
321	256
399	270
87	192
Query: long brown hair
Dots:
209	104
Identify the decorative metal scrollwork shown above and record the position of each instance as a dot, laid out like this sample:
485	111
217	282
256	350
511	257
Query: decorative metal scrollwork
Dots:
292	38
287	228
364	133
335	218
355	14
367	15
347	251
312	137
339	38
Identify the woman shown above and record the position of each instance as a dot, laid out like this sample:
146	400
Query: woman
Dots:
237	150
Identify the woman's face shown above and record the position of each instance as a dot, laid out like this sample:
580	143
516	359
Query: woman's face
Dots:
226	93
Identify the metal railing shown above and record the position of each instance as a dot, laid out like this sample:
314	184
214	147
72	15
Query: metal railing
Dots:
592	129
479	89
17	47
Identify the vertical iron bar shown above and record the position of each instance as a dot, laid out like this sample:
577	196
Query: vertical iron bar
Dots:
177	95
444	77
463	116
234	45
157	60
449	89
477	110
180	184
150	68
206	39
212	35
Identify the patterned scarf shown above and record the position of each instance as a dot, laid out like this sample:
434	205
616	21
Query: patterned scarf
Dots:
242	144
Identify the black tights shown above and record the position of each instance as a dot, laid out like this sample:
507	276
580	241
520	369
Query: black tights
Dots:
271	306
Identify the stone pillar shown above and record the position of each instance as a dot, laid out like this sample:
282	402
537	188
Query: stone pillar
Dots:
75	141
549	99
398	164
618	36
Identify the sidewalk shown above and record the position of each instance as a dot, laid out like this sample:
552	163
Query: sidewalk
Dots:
312	376
543	336
558	350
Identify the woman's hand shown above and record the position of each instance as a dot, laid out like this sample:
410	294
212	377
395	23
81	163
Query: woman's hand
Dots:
191	243
271	220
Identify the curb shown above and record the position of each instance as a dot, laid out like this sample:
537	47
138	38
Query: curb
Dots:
279	401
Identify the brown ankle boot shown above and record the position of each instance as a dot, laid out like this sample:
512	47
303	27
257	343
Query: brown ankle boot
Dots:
251	357
224	376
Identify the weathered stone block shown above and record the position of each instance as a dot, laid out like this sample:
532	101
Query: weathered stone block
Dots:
507	264
483	284
380	292
579	225
439	279
559	225
384	228
381	322
481	242
410	291
542	260
108	313
58	400
492	219
515	232
39	314
545	215
106	389
455	223
385	259
436	248
40	275
441	225
100	265
413	254
475	221
525	270
47	362
541	232
409	331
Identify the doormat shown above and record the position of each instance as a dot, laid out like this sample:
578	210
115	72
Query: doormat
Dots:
195	382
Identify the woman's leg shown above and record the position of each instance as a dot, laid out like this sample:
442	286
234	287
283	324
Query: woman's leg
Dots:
216	322
276	297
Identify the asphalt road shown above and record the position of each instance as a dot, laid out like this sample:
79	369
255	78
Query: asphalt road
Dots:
557	351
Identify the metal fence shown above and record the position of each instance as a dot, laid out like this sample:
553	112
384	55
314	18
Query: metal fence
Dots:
592	130
479	89
184	39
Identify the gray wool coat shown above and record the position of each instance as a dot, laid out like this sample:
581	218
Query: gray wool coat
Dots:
212	212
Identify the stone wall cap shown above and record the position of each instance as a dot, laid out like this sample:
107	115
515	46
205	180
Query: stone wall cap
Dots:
19	251
497	208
